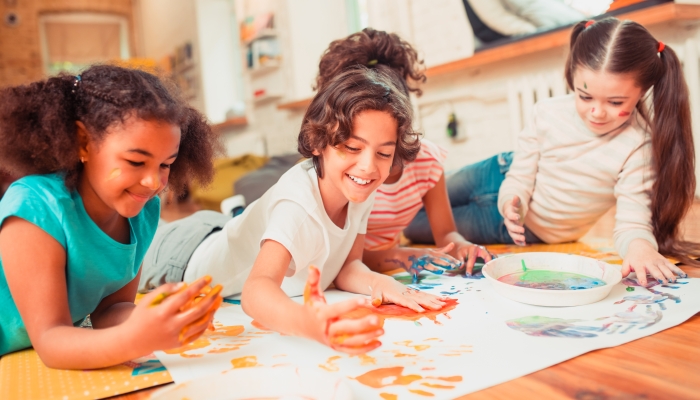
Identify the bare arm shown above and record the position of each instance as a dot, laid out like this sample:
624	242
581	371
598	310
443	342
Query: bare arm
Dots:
117	307
49	324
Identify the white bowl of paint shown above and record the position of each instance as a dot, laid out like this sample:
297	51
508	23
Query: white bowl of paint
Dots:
260	383
551	279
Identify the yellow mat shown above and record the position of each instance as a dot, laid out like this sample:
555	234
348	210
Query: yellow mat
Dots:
24	376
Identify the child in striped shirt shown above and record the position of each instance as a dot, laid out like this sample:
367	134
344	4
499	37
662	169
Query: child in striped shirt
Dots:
409	187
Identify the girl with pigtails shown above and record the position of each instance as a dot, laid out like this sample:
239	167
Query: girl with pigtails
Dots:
93	152
583	153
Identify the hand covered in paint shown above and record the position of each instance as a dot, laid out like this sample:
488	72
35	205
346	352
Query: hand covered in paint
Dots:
324	323
436	261
642	258
388	290
173	315
468	253
513	221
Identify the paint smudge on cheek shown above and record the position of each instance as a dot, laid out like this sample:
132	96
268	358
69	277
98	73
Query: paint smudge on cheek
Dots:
623	114
114	173
340	154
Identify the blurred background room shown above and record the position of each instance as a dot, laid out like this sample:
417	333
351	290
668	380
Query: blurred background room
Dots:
250	65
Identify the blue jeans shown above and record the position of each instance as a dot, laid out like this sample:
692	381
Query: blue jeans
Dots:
473	194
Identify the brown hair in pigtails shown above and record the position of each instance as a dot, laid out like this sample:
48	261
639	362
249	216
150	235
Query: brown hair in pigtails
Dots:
626	47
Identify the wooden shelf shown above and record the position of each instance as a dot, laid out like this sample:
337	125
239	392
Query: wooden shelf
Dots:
265	33
272	66
230	123
295	105
647	16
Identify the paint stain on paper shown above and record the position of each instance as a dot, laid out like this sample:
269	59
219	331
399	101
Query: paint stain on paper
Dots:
421	392
392	376
551	280
245	362
330	364
208	337
409	343
388	396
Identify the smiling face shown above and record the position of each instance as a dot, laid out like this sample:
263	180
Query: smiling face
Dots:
128	167
605	101
353	170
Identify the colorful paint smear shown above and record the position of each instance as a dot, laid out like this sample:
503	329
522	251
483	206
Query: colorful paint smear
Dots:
245	362
427	262
114	173
551	280
207	339
393	311
392	376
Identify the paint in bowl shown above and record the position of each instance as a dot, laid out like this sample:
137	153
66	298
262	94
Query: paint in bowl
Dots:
551	279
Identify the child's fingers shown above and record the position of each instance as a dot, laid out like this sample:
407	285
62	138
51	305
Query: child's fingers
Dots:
517	238
357	350
471	258
515	202
447	248
312	291
336	310
157	295
677	271
427	300
408	302
664	267
351	327
356	340
377	298
198	309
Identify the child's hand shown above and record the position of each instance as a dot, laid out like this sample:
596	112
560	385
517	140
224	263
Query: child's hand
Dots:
643	259
388	290
169	317
469	252
352	336
511	219
415	260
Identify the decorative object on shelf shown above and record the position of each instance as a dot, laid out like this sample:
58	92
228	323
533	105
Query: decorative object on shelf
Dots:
179	66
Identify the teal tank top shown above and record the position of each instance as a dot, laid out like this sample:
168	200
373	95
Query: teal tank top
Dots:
96	265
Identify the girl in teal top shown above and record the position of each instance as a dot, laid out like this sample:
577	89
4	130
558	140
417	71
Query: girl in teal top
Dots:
93	152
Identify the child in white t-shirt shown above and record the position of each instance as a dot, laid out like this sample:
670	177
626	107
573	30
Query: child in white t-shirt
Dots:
355	129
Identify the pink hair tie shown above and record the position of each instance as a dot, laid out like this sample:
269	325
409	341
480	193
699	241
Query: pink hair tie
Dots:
662	46
589	23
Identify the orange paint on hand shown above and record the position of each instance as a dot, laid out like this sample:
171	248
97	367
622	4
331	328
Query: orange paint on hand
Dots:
312	290
245	362
376	302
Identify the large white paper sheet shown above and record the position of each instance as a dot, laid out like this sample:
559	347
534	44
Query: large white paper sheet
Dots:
485	340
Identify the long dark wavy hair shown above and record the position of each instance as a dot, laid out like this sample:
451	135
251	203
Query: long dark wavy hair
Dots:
370	48
328	120
626	47
38	133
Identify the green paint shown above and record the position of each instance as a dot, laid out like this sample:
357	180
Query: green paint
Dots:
630	289
551	280
585	86
523	264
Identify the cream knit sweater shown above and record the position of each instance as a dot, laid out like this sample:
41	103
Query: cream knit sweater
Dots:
567	176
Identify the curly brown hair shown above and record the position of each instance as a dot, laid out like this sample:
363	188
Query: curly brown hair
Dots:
38	133
328	120
371	47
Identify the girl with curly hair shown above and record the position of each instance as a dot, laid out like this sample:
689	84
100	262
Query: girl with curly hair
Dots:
93	152
416	186
357	127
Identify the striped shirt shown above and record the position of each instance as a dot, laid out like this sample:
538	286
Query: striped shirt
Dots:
567	177
397	203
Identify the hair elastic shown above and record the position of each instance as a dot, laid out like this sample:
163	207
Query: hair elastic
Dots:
372	62
590	22
662	46
78	79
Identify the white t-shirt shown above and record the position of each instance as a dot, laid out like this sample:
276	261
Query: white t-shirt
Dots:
292	214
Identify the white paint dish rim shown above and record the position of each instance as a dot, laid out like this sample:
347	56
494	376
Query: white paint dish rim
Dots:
510	264
260	382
